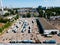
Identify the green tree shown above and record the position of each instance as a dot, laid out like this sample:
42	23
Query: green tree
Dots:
28	15
17	16
6	14
40	11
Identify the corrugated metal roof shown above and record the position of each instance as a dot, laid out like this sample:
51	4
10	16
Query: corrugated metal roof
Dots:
46	25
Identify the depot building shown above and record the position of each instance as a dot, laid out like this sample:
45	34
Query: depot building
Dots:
47	27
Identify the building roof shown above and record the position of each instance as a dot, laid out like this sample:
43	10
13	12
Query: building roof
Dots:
46	25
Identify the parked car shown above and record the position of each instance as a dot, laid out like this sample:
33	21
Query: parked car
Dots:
28	31
32	22
29	27
17	27
23	30
27	41
50	41
59	34
13	31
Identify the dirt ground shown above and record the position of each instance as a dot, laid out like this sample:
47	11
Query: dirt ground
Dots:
1	24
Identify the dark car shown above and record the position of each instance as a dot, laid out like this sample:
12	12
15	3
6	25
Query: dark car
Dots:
13	31
28	31
32	22
29	27
17	27
59	34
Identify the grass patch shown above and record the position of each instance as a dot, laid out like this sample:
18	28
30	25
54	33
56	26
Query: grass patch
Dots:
5	26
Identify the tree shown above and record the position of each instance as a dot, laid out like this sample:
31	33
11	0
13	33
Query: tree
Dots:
6	14
16	11
17	16
28	15
4	20
40	11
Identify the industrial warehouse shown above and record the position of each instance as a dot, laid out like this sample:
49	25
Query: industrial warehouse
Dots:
47	27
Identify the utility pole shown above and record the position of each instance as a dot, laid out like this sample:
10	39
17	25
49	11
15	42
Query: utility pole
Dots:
1	5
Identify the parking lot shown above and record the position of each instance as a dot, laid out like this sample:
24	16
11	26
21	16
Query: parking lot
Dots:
23	29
